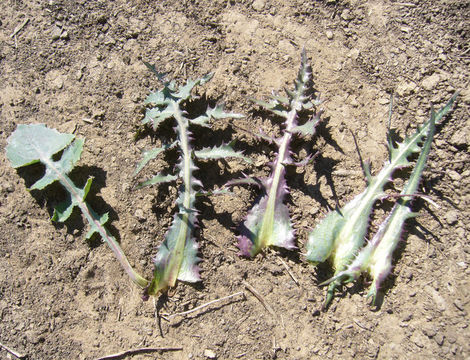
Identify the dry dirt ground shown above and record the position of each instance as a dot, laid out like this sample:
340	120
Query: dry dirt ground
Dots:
78	66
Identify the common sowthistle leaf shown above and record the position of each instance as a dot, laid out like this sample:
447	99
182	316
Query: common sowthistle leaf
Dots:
177	258
341	235
30	144
268	223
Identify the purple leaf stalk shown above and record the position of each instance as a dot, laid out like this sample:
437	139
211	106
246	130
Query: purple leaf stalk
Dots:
177	258
268	223
341	235
30	144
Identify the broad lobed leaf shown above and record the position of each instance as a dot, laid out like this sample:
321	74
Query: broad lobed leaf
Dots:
30	144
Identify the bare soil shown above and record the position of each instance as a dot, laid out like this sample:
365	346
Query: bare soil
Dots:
77	66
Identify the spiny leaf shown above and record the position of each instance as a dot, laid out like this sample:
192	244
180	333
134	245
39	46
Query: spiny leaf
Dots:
102	220
185	92
157	179
221	152
63	211
268	223
214	113
155	116
176	258
386	240
307	129
66	163
274	106
347	239
152	154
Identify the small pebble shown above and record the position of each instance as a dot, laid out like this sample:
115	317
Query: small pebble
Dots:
431	82
329	34
439	339
258	5
454	175
210	354
55	34
452	217
139	214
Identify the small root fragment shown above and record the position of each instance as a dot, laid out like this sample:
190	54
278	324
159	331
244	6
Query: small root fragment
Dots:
122	354
168	317
257	295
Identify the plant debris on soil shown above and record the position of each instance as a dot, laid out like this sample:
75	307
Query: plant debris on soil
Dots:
78	67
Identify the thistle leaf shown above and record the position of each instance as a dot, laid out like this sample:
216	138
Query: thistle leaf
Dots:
155	116
36	143
27	144
307	129
214	113
268	223
221	152
321	240
348	235
386	240
274	106
150	155
157	179
176	258
102	220
185	92
63	211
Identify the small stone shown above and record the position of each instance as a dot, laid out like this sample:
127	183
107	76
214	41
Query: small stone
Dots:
439	339
210	354
418	339
316	312
452	217
102	19
429	331
406	88
407	317
58	82
55	34
431	82
329	34
384	100
64	35
139	214
454	175
346	15
458	305
460	138
258	5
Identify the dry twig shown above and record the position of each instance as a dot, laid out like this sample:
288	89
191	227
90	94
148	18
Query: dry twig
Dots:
168	317
13	352
139	351
19	28
289	271
259	297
